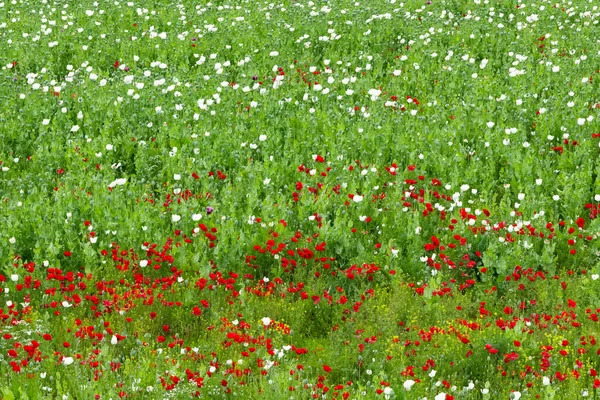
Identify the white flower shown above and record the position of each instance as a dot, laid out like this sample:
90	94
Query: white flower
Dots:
143	263
388	391
175	217
441	396
176	177
117	182
580	121
114	340
408	384
109	147
68	360
46	122
545	381
464	188
274	53
556	197
374	93
262	138
538	182
556	68
597	197
74	128
196	217
266	321
66	304
14	277
521	196
357	199
490	124
515	395
267	181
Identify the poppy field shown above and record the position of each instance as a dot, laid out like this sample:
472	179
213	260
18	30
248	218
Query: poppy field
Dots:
300	199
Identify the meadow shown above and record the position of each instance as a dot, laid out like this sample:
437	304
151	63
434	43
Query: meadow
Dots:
299	199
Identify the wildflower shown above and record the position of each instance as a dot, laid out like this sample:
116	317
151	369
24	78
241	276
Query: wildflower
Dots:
117	182
545	381
408	384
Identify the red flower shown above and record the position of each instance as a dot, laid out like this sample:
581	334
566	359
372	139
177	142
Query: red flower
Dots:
326	368
67	253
